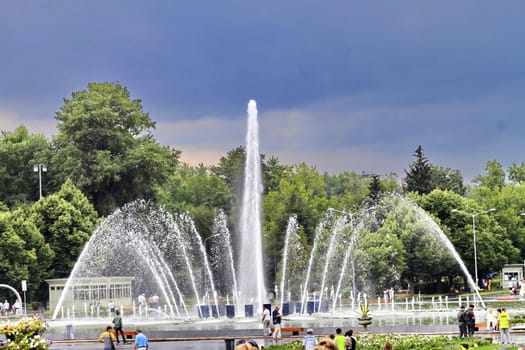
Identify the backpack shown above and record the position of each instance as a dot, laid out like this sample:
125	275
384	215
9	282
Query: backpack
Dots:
350	343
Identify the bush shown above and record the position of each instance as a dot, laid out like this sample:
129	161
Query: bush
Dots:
25	334
401	342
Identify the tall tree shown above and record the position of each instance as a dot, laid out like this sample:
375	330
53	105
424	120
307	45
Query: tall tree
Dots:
374	188
105	146
66	219
494	177
25	255
517	173
419	176
448	179
20	152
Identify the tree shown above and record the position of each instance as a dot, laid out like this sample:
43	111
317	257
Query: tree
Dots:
517	173
201	193
302	193
447	179
419	176
66	219
104	145
273	172
374	188
19	152
494	248
21	248
494	177
346	190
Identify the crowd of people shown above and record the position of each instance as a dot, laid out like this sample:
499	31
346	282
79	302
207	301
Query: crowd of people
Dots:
499	322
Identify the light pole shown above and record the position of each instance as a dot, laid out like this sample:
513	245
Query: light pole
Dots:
473	215
40	168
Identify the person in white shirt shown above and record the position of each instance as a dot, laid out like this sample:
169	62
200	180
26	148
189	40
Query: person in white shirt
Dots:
266	318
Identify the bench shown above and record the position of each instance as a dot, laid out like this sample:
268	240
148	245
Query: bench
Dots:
128	334
293	330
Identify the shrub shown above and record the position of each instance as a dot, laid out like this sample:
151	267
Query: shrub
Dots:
25	334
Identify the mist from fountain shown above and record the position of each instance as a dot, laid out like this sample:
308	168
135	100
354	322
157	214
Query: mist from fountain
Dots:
291	232
147	243
339	242
222	257
250	265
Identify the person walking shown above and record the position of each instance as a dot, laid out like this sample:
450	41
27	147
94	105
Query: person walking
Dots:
504	326
111	308
350	340
309	341
117	324
461	322
470	320
107	337
340	339
266	318
141	341
276	319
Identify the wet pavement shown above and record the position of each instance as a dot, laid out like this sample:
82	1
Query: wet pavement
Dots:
163	345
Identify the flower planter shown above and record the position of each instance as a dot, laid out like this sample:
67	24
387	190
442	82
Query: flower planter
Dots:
364	322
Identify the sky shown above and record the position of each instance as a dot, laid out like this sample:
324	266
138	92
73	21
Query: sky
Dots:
340	85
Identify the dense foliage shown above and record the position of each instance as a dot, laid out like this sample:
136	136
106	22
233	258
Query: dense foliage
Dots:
104	156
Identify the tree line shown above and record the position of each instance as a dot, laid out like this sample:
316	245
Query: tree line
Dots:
104	156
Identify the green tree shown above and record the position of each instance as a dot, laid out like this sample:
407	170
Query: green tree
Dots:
374	188
347	189
24	254
494	177
448	179
19	152
302	193
104	145
494	248
517	173
273	172
424	253
419	176
66	219
201	193
231	169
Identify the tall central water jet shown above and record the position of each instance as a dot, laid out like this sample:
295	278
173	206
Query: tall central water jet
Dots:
250	264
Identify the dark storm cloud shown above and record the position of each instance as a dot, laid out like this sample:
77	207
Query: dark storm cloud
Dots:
339	77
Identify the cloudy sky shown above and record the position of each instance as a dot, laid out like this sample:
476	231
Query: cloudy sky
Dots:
341	85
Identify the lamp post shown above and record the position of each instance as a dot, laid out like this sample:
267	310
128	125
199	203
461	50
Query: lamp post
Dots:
474	215
40	168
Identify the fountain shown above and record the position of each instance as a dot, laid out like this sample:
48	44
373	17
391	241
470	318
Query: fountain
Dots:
250	268
165	254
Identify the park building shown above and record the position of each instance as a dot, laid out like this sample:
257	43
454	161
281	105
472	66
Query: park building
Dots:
512	275
86	293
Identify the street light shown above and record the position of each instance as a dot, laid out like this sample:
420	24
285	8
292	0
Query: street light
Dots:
473	215
40	168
